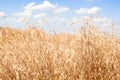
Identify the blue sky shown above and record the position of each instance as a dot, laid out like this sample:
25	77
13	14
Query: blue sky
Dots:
109	7
34	10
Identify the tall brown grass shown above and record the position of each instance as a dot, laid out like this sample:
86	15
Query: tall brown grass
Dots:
33	54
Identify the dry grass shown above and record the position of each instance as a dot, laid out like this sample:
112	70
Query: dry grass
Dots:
32	54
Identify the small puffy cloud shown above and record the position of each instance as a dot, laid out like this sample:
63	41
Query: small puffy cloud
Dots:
82	10
39	15
61	10
46	6
43	6
31	7
92	10
2	14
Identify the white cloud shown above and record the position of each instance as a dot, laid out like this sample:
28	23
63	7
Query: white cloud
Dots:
61	10
2	14
29	6
92	10
25	13
39	15
82	10
32	7
45	5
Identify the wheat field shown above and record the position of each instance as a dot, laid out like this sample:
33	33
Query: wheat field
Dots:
33	54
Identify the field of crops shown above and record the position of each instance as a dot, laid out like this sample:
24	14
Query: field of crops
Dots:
33	54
